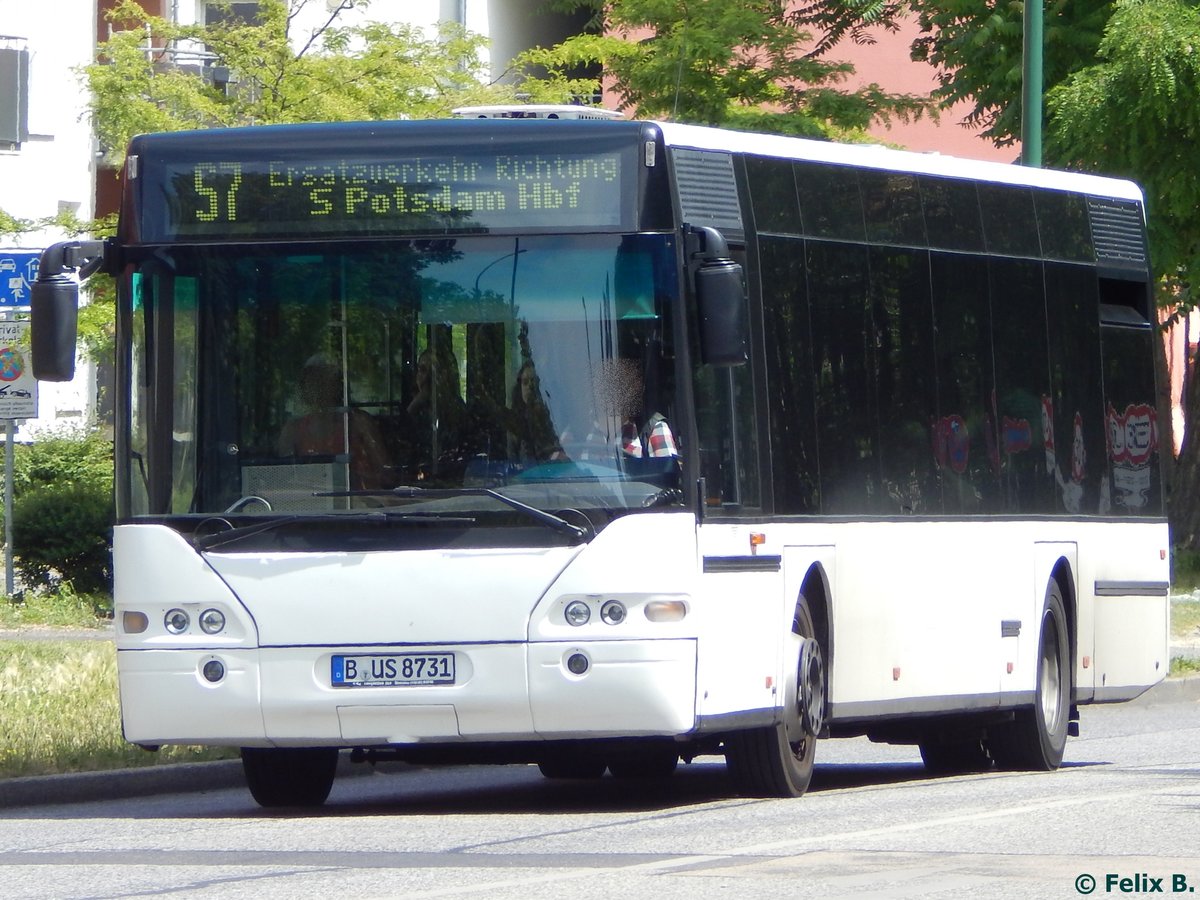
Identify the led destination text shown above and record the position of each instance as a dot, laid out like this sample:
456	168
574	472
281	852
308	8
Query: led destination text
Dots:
362	196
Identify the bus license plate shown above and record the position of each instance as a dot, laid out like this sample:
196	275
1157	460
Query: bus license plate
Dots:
392	670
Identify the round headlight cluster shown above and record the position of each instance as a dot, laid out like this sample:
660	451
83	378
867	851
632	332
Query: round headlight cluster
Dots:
578	612
177	621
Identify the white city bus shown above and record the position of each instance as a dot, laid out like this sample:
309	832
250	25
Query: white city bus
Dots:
601	444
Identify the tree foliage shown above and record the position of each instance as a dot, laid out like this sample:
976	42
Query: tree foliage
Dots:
155	75
976	46
753	64
1136	112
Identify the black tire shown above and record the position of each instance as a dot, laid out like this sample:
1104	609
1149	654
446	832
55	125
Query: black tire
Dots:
575	764
289	776
778	761
1036	738
955	756
647	764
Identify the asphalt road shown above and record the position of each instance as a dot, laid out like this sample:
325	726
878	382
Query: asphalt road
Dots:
1125	805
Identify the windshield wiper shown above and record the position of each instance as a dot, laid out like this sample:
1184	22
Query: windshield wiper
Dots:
237	533
559	524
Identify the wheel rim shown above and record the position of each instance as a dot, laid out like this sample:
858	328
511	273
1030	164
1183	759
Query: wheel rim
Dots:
811	693
1050	686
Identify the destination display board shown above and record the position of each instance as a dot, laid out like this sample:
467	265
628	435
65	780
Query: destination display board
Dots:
453	186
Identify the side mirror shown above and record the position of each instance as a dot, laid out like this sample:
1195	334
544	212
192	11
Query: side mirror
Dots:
720	301
54	311
54	306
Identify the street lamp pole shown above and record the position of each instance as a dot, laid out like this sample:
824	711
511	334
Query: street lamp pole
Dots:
1031	85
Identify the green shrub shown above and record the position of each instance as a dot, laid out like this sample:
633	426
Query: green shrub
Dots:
62	510
64	533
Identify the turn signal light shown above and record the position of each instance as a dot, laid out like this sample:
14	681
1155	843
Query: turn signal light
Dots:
134	622
666	610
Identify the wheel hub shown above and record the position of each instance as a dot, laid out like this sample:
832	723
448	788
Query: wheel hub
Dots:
810	689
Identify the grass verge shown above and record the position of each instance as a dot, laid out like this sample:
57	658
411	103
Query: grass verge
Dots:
59	712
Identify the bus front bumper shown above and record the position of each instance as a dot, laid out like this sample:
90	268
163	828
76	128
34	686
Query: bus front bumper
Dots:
502	692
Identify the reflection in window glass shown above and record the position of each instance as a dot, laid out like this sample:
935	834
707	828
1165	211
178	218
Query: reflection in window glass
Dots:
907	397
966	448
1073	326
845	360
830	203
789	376
773	195
1064	226
892	205
1023	383
952	213
1009	225
1134	477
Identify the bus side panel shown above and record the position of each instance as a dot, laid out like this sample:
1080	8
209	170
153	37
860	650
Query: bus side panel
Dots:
742	620
1124	583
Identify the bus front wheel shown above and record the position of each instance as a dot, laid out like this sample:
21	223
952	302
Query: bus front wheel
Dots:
289	776
1036	738
778	761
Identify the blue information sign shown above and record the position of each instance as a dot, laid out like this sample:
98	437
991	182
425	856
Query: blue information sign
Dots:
18	270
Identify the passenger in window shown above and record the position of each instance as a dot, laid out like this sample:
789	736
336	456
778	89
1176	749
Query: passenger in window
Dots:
321	429
528	419
437	413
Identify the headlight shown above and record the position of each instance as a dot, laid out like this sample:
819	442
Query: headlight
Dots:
212	621
176	621
613	612
577	613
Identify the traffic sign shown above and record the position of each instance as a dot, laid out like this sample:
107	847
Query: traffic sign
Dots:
18	387
18	270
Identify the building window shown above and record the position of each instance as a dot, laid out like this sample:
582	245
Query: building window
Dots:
232	13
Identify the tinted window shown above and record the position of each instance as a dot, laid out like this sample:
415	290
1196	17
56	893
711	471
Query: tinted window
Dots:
1009	225
1063	225
845	361
830	203
788	340
1023	383
773	195
1134	478
1073	326
964	441
892	205
952	214
907	398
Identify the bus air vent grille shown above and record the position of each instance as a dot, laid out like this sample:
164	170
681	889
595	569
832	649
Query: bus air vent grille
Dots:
708	191
1117	233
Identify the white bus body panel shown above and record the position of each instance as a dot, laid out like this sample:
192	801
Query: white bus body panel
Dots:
495	610
926	617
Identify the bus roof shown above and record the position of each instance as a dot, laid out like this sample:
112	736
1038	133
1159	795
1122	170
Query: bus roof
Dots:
877	156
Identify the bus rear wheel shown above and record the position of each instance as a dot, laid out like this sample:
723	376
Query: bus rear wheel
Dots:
1036	738
289	776
778	761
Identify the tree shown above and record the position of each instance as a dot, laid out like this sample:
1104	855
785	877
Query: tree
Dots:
1136	112
976	46
338	73
751	64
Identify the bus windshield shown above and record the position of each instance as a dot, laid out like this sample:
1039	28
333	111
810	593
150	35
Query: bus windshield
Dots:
316	378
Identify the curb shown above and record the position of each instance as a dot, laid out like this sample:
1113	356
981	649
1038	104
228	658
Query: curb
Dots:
1172	690
118	784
